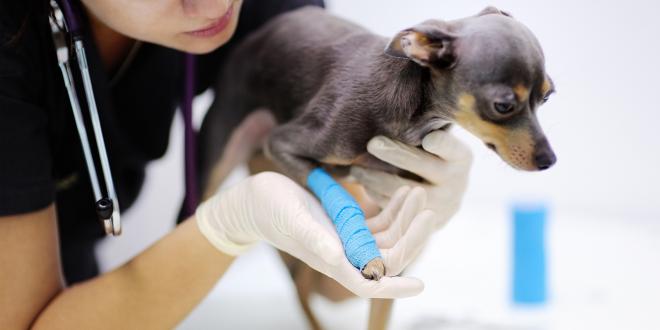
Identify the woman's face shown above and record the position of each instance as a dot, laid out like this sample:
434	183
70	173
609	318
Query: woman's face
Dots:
195	26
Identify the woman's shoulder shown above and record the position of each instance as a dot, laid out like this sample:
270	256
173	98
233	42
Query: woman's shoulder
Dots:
25	181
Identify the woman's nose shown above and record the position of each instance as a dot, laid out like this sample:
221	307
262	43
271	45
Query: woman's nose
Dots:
206	8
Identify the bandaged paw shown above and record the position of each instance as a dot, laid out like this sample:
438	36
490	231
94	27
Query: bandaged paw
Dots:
348	218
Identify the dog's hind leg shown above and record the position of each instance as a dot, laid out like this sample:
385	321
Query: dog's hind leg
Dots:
380	311
244	142
292	148
305	279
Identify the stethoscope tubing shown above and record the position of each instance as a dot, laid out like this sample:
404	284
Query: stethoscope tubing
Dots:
107	209
98	135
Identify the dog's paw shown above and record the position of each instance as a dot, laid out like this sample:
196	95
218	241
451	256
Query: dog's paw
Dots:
374	270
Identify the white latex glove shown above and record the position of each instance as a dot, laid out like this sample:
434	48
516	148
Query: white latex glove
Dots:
445	165
270	207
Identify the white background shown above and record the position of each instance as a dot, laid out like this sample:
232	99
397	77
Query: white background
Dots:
603	194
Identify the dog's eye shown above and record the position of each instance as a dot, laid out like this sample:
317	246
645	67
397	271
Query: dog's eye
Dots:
546	98
504	108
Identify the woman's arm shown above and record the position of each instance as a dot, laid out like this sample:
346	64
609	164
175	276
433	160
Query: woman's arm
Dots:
160	286
156	289
30	273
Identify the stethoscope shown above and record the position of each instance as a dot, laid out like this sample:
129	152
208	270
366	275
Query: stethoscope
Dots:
64	24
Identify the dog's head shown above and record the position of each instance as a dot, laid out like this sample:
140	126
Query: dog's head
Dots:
491	70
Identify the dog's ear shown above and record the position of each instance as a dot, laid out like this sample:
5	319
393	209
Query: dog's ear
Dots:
492	10
429	44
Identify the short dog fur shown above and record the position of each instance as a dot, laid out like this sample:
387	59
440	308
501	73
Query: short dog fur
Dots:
332	86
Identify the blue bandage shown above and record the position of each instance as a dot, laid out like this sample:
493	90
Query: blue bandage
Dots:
347	216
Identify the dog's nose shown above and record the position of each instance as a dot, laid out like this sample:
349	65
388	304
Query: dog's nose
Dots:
544	159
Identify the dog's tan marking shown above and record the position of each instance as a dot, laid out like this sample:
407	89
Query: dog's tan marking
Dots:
467	117
334	160
522	92
421	39
546	87
415	44
515	146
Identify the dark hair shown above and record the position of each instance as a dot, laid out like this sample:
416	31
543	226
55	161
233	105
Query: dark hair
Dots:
27	10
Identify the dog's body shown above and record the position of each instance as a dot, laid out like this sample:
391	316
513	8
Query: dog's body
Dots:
333	85
337	99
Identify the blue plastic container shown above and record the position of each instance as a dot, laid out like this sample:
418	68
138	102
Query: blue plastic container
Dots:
529	254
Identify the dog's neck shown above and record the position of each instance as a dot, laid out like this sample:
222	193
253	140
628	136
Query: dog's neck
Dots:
408	106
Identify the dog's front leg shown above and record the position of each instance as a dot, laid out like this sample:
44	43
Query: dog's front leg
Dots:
296	149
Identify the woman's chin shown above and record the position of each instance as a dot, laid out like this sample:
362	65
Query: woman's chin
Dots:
201	48
203	45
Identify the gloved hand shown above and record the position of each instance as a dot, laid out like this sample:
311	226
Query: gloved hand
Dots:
445	165
271	207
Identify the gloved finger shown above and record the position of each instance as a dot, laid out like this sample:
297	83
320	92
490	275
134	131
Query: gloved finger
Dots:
445	211
389	288
413	205
410	245
386	288
383	220
447	146
385	184
378	198
415	160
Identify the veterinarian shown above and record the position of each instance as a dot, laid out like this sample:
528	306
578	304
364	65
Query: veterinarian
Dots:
135	53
